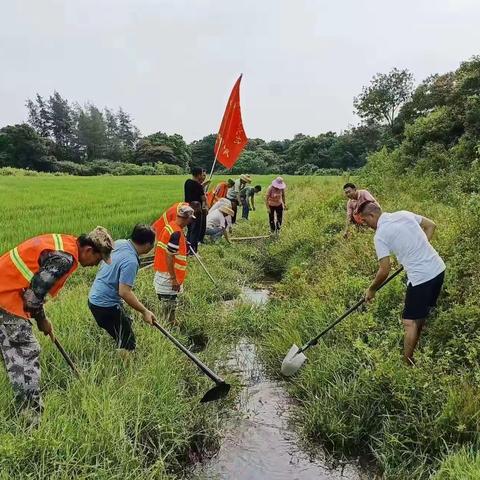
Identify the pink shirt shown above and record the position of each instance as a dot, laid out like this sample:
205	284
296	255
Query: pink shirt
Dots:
363	196
274	196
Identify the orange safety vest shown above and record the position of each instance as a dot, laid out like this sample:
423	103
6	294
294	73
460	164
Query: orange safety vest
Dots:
167	217
221	190
180	258
19	265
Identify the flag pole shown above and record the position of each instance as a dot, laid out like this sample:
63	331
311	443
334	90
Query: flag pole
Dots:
215	159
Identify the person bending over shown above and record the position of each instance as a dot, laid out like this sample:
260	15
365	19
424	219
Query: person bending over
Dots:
113	286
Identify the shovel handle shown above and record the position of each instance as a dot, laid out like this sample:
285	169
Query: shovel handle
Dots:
203	266
218	380
315	340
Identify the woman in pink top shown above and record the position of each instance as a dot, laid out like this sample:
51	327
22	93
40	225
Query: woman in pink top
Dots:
275	201
356	198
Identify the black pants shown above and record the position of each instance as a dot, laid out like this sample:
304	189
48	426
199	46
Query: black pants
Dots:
275	224
117	323
196	230
234	208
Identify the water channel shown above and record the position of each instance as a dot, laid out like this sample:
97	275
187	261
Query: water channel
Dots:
258	441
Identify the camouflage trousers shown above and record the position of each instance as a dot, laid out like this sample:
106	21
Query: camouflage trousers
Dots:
21	351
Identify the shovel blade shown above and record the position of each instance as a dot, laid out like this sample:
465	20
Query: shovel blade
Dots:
292	361
216	393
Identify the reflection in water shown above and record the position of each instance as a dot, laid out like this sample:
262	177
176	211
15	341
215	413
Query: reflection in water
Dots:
258	443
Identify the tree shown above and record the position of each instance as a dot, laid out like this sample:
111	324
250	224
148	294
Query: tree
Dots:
92	132
382	99
39	116
174	148
202	152
22	147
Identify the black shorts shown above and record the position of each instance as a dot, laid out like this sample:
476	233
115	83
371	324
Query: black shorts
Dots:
420	299
117	323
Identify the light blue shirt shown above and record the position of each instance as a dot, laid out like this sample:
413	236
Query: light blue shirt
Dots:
123	269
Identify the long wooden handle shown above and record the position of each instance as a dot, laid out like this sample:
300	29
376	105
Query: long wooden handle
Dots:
190	355
64	354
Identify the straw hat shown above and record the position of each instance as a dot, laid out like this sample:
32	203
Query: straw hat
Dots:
246	178
227	210
279	183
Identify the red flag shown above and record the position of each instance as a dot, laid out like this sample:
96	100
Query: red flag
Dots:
231	137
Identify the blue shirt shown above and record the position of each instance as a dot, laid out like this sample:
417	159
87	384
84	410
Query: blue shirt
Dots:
123	269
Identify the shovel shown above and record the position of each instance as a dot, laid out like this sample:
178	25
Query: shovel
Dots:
221	388
295	357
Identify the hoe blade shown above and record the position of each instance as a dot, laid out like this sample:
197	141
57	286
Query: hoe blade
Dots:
216	393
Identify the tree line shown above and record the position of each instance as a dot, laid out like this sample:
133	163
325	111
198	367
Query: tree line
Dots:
60	136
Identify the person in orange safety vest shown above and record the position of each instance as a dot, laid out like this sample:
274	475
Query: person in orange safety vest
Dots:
170	262
33	269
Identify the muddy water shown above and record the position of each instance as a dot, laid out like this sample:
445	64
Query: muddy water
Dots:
258	443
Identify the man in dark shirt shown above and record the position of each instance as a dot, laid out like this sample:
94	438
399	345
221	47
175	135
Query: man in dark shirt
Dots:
195	192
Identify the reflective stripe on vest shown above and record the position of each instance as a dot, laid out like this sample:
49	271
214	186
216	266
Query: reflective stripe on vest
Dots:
20	264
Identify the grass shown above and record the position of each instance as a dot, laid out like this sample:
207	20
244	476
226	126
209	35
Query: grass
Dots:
353	395
119	421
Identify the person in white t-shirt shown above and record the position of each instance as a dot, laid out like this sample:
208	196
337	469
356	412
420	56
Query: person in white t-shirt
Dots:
407	236
217	223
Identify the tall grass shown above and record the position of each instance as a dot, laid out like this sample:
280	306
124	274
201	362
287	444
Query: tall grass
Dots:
354	393
136	420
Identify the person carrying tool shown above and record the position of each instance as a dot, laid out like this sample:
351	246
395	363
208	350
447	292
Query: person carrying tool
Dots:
276	204
355	199
194	190
217	223
407	236
33	269
170	262
247	198
114	283
233	193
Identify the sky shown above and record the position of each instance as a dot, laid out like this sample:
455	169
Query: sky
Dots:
172	63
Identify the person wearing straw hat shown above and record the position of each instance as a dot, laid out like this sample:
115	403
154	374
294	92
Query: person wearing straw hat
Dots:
276	204
217	223
233	193
30	271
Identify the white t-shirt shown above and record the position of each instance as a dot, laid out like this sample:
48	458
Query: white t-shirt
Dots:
215	219
400	233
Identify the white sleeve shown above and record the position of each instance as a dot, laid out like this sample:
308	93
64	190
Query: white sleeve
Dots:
381	248
418	218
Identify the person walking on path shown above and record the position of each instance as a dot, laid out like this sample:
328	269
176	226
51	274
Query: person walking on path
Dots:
33	269
233	193
247	198
217	223
170	262
195	192
407	236
114	284
355	199
276	204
